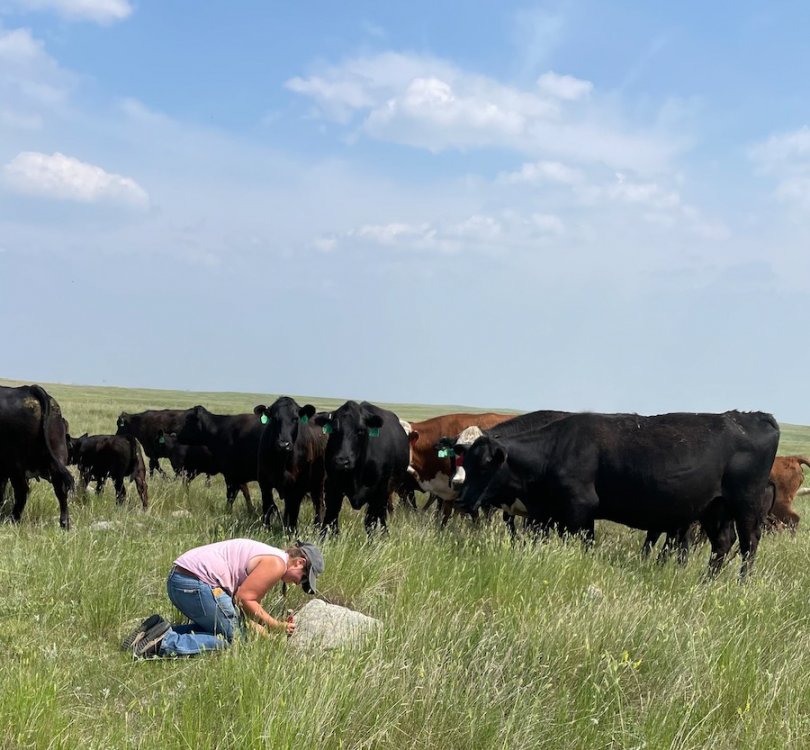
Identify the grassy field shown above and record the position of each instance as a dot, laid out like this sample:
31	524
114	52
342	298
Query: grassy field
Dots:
485	644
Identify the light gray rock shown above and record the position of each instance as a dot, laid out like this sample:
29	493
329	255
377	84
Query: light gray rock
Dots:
102	525
181	514
325	626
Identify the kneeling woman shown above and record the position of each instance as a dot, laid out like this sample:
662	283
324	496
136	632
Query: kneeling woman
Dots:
207	584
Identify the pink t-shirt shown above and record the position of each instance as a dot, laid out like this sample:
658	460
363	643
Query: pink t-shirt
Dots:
224	564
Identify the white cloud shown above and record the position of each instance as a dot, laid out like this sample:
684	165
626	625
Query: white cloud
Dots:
430	103
30	79
564	87
66	178
543	172
99	11
786	157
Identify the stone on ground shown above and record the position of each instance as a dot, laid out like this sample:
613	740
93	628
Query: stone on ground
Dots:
322	625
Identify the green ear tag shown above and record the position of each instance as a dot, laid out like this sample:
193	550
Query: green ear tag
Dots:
442	453
304	419
374	432
161	440
327	429
264	419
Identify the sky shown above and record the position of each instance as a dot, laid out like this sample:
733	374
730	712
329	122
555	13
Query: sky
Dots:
566	205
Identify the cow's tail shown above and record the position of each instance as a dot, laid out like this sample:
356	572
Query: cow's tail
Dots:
58	471
803	460
135	456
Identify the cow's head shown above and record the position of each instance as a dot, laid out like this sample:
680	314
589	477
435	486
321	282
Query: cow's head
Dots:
349	429
283	418
465	439
123	424
74	445
483	460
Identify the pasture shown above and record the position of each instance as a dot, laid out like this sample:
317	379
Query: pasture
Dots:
485	644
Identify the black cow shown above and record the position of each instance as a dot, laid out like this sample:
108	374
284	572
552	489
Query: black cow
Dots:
651	473
189	461
145	426
291	459
233	439
117	457
366	460
32	444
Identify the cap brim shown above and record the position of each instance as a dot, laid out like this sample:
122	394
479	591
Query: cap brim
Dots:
308	583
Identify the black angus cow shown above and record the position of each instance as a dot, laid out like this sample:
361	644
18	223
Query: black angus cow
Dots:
233	439
367	456
117	457
650	473
32	444
146	425
291	459
189	461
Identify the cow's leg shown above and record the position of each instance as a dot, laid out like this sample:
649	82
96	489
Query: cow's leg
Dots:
292	507
140	485
154	466
649	542
120	490
20	486
376	516
269	507
332	502
317	501
100	481
749	531
432	498
246	494
447	511
718	525
3	486
509	520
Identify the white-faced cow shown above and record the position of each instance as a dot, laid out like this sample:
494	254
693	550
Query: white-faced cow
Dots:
650	473
291	459
366	460
32	444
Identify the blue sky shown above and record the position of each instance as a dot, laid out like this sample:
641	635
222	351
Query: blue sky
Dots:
571	205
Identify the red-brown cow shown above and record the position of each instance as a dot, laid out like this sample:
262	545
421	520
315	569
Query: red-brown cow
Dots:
431	473
788	476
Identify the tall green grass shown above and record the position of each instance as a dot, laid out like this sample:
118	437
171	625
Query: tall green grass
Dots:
485	643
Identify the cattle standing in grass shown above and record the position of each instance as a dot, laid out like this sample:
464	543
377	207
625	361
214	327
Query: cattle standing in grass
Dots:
661	472
788	476
366	460
233	439
291	459
146	425
117	457
32	444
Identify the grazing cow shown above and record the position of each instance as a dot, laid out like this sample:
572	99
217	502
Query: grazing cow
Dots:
291	459
233	439
649	473
788	476
115	456
145	426
366	460
32	444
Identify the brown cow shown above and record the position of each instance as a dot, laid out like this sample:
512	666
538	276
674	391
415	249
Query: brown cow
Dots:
788	476
431	473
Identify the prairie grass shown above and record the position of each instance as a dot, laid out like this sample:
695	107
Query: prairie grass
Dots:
486	644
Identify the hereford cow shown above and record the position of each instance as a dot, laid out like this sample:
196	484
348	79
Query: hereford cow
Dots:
291	459
788	476
649	473
33	444
366	461
145	426
117	457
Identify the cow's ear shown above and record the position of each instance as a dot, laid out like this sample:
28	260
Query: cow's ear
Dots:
413	436
305	413
322	418
173	435
374	421
161	437
458	450
498	456
81	437
261	412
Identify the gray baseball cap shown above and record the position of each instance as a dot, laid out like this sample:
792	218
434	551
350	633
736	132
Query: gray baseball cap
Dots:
315	567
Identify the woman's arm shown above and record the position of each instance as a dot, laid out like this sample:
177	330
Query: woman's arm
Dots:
260	580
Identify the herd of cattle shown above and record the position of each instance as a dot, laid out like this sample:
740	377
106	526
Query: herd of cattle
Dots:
559	470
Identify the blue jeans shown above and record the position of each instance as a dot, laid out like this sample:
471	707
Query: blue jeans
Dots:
214	620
